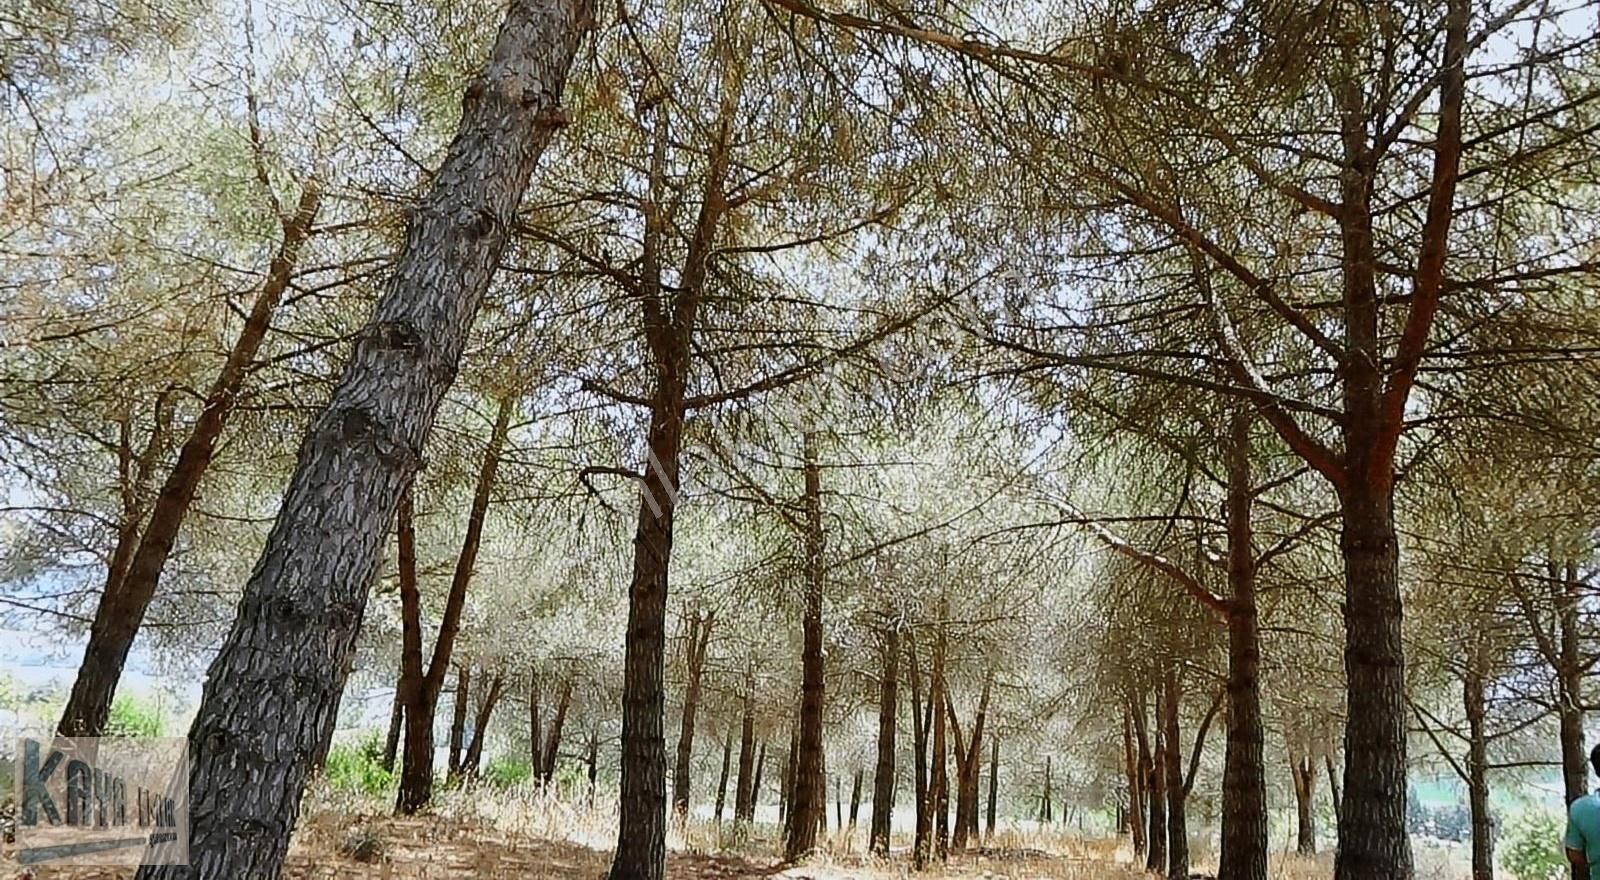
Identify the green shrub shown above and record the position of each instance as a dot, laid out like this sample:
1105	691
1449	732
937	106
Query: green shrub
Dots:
1532	848
504	772
135	716
358	767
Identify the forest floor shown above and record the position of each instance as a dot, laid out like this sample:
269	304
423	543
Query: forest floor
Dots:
332	845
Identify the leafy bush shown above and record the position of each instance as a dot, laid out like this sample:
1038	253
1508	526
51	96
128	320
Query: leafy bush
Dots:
504	772
358	767
135	716
1532	848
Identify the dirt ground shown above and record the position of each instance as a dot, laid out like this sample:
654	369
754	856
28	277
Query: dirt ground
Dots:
435	849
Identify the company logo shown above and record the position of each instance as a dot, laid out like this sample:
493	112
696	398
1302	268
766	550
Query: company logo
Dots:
102	801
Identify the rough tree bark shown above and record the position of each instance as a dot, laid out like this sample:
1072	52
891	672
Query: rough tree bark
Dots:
135	572
883	787
694	665
1243	853
800	839
1130	759
1152	760
669	322
274	687
420	687
1177	793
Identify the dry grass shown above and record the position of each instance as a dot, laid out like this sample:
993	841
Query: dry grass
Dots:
521	832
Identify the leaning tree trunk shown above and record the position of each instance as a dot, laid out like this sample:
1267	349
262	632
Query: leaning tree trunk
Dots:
883	777
472	764
800	839
273	689
694	661
129	591
744	791
1244	777
855	801
1335	793
391	741
1177	793
552	739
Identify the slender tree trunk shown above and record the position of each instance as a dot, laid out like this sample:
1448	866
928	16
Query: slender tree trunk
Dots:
994	785
274	686
1177	794
975	757
122	608
786	796
919	744
535	726
801	837
939	776
722	780
592	763
755	784
695	658
669	321
1334	790
1304	774
1047	804
855	801
819	805
391	742
1130	760
472	764
458	721
552	739
744	791
1243	853
883	781
958	832
1473	691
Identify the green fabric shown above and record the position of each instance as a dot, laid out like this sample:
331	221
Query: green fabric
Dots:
1583	831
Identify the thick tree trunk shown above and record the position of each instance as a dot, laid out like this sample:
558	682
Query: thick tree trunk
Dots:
458	721
744	791
694	663
722	780
800	838
1177	793
1473	690
1243	853
552	738
129	589
274	686
1304	775
883	787
472	764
